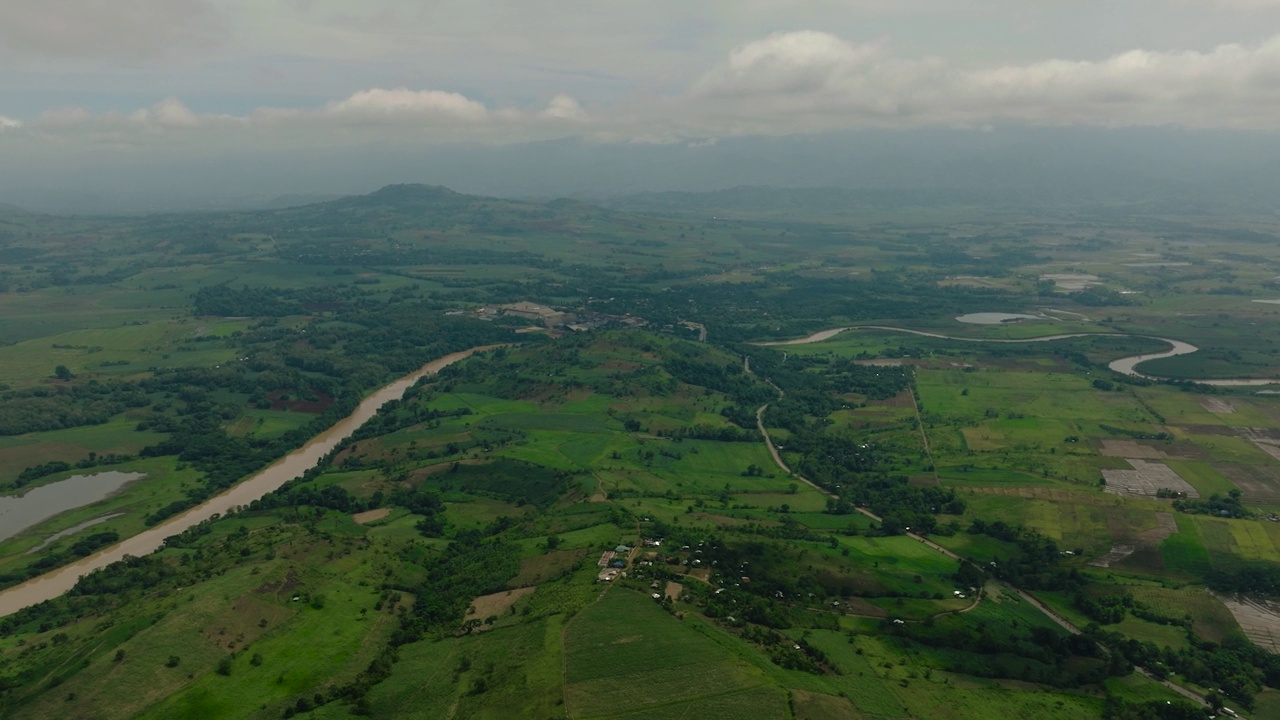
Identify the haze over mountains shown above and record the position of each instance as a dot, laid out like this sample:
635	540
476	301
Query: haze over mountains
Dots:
1197	170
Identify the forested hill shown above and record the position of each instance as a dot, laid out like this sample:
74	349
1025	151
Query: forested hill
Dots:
422	208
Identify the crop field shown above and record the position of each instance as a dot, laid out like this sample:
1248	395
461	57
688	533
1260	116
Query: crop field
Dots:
520	667
624	655
1210	618
473	589
1205	478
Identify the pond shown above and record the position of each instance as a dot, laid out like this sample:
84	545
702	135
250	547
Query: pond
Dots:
19	512
995	318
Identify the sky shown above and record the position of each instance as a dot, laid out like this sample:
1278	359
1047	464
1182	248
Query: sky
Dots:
89	84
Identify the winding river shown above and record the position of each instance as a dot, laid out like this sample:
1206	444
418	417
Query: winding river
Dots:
57	582
1127	365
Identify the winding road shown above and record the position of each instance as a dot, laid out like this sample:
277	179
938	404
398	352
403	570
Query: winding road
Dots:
1028	597
56	582
1126	366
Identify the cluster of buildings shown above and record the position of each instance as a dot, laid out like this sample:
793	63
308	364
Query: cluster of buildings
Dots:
612	562
553	319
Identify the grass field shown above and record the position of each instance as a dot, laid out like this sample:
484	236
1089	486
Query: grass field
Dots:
628	657
1211	620
18	452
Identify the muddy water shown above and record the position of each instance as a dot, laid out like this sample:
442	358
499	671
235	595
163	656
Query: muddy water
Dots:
19	512
1126	366
53	584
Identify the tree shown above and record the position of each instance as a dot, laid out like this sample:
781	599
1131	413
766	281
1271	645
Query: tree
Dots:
63	373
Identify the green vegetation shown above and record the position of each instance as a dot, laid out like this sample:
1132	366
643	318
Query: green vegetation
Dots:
585	521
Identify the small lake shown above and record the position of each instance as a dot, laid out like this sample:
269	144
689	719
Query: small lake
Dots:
995	318
19	512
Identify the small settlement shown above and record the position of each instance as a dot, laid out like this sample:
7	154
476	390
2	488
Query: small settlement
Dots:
554	320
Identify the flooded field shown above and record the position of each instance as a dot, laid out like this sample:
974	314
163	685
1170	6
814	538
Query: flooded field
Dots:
19	512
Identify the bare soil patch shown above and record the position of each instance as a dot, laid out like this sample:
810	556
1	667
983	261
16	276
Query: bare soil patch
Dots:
674	589
1114	555
1146	478
1217	406
285	585
1129	449
1258	484
1044	493
241	623
1258	618
1148	539
1261	434
489	605
369	516
864	608
1156	535
901	400
703	574
311	407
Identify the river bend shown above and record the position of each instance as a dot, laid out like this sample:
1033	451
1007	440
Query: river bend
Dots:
1126	365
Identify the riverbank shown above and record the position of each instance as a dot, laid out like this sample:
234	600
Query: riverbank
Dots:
57	582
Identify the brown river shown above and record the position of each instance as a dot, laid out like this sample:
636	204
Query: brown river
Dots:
53	584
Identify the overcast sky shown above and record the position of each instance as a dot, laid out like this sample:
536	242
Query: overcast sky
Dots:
196	77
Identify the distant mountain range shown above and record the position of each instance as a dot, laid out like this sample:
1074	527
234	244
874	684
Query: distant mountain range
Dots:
1156	169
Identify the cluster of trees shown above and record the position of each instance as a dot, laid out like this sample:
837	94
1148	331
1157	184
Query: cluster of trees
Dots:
1219	505
513	480
1012	650
712	432
83	547
1260	578
67	406
728	378
1236	667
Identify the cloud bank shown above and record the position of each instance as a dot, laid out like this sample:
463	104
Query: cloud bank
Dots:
784	83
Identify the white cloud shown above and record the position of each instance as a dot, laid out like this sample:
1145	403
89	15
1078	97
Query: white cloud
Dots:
8	123
378	103
783	83
811	80
563	107
372	115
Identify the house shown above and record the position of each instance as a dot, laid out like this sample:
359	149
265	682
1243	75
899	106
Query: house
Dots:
605	558
622	549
